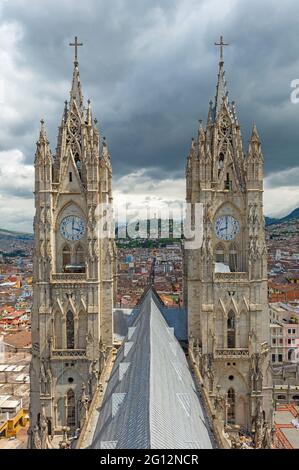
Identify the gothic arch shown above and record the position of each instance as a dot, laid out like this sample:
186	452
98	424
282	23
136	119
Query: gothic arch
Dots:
241	393
77	209
67	373
235	210
238	383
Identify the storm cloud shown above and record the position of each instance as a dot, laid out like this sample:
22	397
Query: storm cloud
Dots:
150	68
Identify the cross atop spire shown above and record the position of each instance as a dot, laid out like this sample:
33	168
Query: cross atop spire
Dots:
221	44
76	44
76	91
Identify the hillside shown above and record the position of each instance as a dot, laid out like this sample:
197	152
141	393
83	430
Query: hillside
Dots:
12	235
294	215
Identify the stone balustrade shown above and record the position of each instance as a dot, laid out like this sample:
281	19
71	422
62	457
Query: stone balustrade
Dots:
68	353
232	353
231	277
67	277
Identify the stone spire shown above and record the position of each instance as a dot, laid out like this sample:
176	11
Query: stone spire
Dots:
105	155
221	90
255	144
43	152
42	132
76	91
255	136
89	114
255	161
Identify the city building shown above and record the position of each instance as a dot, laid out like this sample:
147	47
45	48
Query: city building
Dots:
284	328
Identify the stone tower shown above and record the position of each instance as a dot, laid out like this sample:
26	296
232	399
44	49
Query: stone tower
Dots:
74	271
226	279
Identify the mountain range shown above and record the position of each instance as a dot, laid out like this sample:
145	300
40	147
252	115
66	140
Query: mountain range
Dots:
11	234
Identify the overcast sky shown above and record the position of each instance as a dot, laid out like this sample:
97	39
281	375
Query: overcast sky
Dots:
150	69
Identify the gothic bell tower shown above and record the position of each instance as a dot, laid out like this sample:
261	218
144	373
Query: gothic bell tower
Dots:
73	270
226	279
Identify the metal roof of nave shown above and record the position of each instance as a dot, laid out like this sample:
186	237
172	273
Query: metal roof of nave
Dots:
151	400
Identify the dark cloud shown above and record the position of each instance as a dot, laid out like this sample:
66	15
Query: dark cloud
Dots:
150	68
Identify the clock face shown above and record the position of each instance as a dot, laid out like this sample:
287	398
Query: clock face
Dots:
72	228
227	228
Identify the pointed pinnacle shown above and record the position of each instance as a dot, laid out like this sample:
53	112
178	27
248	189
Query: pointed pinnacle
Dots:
255	136
42	128
64	118
202	136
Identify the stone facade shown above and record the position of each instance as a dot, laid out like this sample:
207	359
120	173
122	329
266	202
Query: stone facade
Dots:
74	272
226	279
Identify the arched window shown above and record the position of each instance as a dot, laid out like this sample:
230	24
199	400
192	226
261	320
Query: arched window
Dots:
233	258
70	331
66	256
219	253
231	330
291	354
71	409
231	411
58	330
80	256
